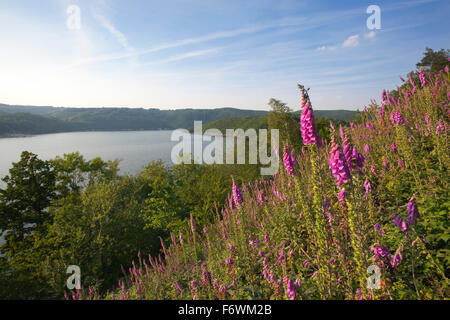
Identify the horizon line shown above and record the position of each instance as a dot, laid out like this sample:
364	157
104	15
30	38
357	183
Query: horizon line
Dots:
160	109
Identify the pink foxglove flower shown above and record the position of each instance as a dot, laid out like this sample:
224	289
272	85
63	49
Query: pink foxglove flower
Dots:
422	78
237	194
413	213
290	288
307	119
397	259
307	125
338	166
342	195
381	254
401	224
393	147
397	118
367	186
288	160
440	128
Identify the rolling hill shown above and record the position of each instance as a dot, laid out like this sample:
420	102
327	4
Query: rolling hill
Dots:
16	119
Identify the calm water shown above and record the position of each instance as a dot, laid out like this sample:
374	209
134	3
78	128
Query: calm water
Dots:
134	148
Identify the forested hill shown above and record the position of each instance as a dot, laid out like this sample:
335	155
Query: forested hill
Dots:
45	119
36	120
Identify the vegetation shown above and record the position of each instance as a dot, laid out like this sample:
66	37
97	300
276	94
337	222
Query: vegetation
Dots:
39	120
370	194
434	61
374	195
257	122
69	210
279	117
36	120
27	123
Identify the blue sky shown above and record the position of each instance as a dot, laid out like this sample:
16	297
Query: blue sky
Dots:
209	54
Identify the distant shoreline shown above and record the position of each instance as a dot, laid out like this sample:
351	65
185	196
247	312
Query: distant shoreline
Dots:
30	135
15	135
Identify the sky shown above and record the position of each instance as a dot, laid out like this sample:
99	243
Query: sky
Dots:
209	54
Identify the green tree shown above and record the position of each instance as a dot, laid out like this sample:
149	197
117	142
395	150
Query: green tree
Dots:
73	172
434	61
162	209
35	191
30	189
101	231
281	118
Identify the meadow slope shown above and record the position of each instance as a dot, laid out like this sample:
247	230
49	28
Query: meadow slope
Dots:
374	196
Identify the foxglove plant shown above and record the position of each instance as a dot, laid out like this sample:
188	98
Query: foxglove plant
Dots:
237	194
290	288
401	224
337	165
340	229
307	119
413	213
288	160
397	118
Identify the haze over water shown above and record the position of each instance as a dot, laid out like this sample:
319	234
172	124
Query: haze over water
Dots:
134	148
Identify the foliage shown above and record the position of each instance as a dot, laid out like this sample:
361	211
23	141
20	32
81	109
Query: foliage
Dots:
69	211
370	193
34	188
39	120
434	61
375	194
280	117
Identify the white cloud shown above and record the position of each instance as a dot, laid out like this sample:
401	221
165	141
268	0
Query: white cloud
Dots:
119	36
283	23
325	48
370	35
169	45
191	54
351	41
182	56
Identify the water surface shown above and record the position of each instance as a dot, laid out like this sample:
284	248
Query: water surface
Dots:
134	148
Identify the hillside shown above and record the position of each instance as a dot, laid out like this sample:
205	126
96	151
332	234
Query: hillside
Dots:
344	115
27	123
256	122
36	120
260	122
372	200
38	110
368	200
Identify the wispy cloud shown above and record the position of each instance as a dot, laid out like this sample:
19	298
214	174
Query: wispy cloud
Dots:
119	36
169	45
325	48
306	22
352	41
183	56
370	35
403	5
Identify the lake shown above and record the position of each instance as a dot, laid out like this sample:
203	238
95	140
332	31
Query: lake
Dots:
134	148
